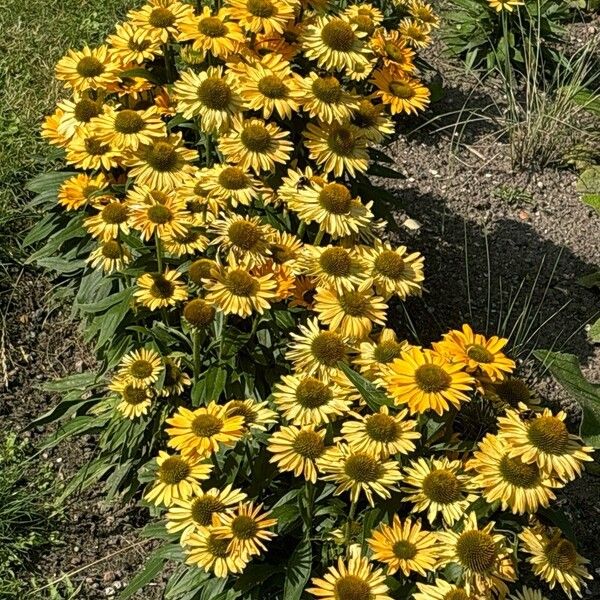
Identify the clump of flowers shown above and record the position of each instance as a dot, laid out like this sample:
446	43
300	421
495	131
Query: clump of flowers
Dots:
237	284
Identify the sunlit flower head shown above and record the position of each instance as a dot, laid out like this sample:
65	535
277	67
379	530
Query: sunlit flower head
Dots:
325	98
110	256
261	16
212	553
78	190
135	398
371	121
333	266
110	220
90	68
401	93
392	48
86	151
160	18
78	111
142	366
130	44
160	290
376	355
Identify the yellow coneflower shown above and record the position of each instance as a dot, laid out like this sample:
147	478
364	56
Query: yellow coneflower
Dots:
317	352
246	528
375	355
286	44
160	17
246	238
127	129
177	477
164	101
142	366
199	511
110	255
162	164
135	398
365	16
216	33
555	559
356	580
527	593
272	87
511	392
212	95
203	430
257	415
520	486
88	69
546	441
134	89
424	380
110	220
403	94
51	129
392	48
159	214
507	5
261	16
175	379
380	433
404	546
86	151
205	549
358	472
229	183
189	241
337	147
477	353
484	557
160	290
441	590
415	32
296	449
194	193
305	400
332	206
370	121
333	266
78	111
352	313
423	12
133	45
286	250
79	189
200	269
325	98
198	314
438	486
303	292
235	291
255	144
335	44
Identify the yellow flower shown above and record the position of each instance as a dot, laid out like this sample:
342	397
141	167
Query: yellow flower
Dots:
210	95
193	192
401	93
374	356
230	184
476	352
355	580
111	220
508	5
51	129
335	43
423	12
317	352
235	291
324	98
286	250
160	290
133	45
404	546
270	86
415	31
87	151
76	191
352	313
484	557
555	559
337	147
441	590
175	379
160	213
392	48
305	400
163	164
205	549
90	68
297	449
160	18
110	255
142	366
177	477
519	486
358	472
370	122
332	206
215	34
246	528
261	16
77	112
257	415
187	241
546	441
127	129
199	314
439	487
203	430
365	16
255	144
426	381
380	433
527	594
135	397
333	266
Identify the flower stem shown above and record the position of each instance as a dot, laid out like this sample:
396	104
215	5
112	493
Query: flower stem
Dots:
169	62
318	237
159	254
349	526
197	343
301	229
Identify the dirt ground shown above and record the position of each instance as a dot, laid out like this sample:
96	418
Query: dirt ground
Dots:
458	197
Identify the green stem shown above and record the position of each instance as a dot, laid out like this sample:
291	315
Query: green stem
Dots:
318	237
310	501
349	526
169	62
301	229
208	147
159	254
197	344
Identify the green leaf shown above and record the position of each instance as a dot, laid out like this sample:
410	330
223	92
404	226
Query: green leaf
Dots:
142	73
590	281
79	381
566	370
210	386
594	332
372	396
589	186
298	571
558	519
48	181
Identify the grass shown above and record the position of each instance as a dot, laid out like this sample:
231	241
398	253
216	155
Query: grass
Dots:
35	34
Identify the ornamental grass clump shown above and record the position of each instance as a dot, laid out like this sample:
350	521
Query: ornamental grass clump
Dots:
221	239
